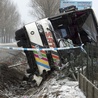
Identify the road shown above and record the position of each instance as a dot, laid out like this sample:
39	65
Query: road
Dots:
6	54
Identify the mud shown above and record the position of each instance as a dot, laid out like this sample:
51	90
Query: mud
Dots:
11	78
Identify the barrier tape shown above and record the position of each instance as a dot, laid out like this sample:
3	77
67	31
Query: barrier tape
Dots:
45	49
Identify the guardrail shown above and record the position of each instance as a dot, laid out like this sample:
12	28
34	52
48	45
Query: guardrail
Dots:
88	76
88	88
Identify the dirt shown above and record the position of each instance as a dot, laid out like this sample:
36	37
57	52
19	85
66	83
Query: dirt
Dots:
12	85
11	77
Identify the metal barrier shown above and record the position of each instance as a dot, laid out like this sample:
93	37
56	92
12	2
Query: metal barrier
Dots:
89	89
88	72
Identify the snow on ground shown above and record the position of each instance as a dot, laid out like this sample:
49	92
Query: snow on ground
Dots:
53	88
14	44
61	89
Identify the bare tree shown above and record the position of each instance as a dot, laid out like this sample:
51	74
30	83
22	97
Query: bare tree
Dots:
44	8
9	20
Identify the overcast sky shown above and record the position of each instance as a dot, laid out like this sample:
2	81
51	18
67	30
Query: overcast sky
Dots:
24	9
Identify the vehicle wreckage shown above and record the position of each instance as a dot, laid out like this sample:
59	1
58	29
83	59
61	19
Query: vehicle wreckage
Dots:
53	38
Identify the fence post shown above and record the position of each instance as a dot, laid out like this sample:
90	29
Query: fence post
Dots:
92	67
87	48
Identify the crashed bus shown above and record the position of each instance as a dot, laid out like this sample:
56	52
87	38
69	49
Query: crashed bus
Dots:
55	37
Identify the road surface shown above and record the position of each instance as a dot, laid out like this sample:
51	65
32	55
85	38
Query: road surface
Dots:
7	54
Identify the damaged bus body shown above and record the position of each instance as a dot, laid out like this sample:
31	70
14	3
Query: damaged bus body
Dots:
70	29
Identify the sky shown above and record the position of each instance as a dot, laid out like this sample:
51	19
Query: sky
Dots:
24	9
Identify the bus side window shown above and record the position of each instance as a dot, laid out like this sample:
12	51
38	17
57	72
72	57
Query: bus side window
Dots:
64	33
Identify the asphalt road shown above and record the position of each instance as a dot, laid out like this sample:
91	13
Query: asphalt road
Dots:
7	54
